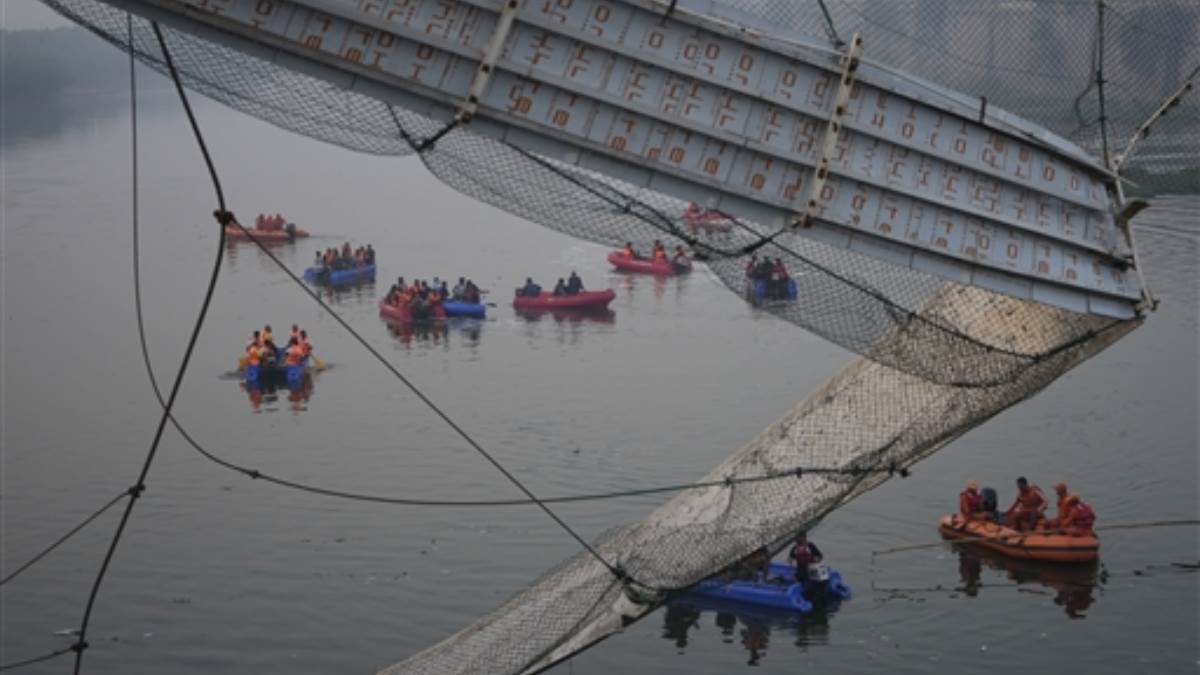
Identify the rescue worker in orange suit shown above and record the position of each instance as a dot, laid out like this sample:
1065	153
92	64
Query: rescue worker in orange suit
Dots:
628	251
660	253
1079	519
295	353
1060	489
970	502
305	344
1027	508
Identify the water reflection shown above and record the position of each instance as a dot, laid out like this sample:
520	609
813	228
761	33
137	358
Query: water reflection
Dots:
359	293
1073	585
746	626
264	394
435	333
568	315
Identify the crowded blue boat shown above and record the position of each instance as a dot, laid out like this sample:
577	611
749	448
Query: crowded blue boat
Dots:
342	268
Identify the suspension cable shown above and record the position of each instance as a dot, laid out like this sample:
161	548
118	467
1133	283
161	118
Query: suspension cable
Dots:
65	537
136	490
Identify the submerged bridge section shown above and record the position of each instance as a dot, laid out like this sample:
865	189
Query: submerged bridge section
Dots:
697	102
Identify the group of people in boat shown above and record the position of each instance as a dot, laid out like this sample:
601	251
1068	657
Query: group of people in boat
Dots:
572	285
773	273
1028	511
269	223
421	296
802	556
261	348
658	253
344	259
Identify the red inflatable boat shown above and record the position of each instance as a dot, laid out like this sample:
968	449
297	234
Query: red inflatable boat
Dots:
235	232
581	300
404	312
641	265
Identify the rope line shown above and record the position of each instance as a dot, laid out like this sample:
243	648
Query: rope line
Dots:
136	490
65	537
972	540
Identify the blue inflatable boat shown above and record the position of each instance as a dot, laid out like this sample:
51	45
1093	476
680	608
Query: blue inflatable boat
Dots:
758	291
475	310
274	371
352	275
779	591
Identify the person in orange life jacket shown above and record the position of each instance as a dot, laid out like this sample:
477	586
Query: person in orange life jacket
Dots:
1027	508
258	222
804	554
1079	518
970	502
253	355
255	341
304	342
628	251
295	353
1060	490
660	253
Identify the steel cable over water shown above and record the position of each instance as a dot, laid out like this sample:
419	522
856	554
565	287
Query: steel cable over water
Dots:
136	490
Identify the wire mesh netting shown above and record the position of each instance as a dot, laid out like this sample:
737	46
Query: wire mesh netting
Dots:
938	357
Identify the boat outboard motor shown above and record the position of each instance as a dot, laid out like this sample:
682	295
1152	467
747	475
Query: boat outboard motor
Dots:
990	505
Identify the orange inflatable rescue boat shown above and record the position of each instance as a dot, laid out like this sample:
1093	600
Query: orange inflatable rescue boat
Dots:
1043	546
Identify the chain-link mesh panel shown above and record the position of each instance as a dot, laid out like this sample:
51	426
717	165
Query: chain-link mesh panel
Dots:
1037	59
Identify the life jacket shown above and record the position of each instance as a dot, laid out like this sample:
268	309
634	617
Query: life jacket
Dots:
628	252
1081	516
803	556
252	356
660	254
780	272
265	336
306	346
970	503
1031	499
295	354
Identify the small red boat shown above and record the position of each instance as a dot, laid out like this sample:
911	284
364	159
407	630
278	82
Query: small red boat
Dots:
619	260
581	300
404	313
235	232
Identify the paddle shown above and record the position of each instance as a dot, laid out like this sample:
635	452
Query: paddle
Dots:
317	362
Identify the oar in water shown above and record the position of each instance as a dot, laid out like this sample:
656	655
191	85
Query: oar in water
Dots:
317	362
972	540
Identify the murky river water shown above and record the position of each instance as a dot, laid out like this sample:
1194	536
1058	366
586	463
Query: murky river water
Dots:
221	574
